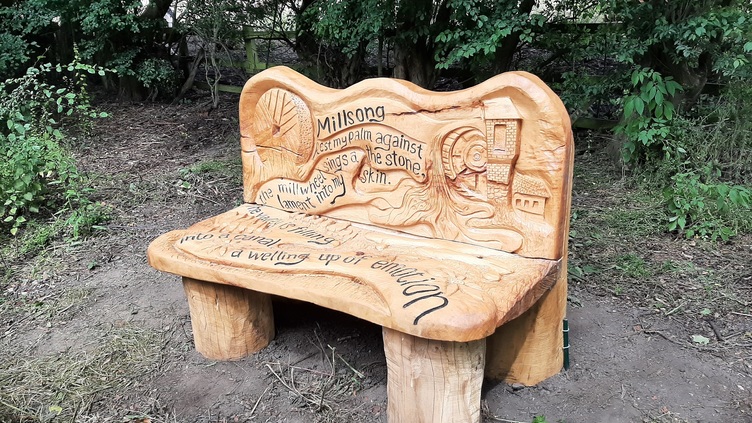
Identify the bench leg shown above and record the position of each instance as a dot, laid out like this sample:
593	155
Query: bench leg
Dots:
529	349
228	322
433	381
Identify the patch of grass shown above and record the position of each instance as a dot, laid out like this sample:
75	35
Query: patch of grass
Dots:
205	167
88	219
224	167
677	267
38	235
641	218
632	266
210	180
63	387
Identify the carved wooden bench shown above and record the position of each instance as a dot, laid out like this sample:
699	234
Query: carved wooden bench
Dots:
442	217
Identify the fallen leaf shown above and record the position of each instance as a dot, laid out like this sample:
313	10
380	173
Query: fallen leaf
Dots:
699	339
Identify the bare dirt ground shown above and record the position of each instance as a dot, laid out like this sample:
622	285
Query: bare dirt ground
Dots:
661	328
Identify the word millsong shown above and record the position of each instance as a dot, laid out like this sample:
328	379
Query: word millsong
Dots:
345	118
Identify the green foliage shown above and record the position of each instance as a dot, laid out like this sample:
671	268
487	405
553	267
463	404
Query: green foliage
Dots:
540	419
157	75
36	171
648	112
19	22
717	130
121	35
367	21
700	205
87	218
479	29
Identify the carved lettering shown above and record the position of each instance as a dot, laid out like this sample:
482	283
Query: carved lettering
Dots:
328	258
346	118
280	258
373	176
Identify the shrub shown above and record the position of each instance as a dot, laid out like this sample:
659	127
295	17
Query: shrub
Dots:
700	205
36	171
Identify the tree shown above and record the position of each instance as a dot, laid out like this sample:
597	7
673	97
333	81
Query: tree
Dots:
488	33
124	35
691	41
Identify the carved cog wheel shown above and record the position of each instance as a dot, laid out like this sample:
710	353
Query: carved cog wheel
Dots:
463	152
283	121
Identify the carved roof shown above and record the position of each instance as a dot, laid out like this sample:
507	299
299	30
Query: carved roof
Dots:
501	108
530	186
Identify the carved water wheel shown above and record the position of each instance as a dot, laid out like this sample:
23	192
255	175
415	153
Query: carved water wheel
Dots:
283	122
464	152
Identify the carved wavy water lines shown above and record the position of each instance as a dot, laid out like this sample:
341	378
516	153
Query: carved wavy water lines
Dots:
385	198
439	206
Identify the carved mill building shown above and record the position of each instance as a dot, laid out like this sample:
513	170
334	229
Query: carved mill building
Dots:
503	124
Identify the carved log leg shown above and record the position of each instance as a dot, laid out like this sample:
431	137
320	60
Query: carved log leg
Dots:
529	349
228	322
433	381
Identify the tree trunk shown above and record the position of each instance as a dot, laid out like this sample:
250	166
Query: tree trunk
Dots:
505	53
415	64
693	80
64	41
156	9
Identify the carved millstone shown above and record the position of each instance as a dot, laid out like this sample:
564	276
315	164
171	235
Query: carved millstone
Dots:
442	217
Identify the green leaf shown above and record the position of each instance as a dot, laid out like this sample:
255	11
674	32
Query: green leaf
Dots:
639	106
668	112
659	110
628	107
699	339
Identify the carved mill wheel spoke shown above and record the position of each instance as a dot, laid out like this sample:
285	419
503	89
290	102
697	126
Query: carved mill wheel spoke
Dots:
463	151
283	122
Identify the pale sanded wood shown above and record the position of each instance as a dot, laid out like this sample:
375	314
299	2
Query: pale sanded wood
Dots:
528	349
425	287
228	322
463	176
489	165
432	381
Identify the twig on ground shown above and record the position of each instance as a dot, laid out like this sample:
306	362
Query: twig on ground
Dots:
499	419
716	331
258	401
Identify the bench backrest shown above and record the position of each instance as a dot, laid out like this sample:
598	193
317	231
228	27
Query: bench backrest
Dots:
490	165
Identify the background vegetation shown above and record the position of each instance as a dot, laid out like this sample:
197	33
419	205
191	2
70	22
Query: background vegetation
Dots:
665	82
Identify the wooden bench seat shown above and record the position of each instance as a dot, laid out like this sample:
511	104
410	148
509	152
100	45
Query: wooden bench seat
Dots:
442	217
396	280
